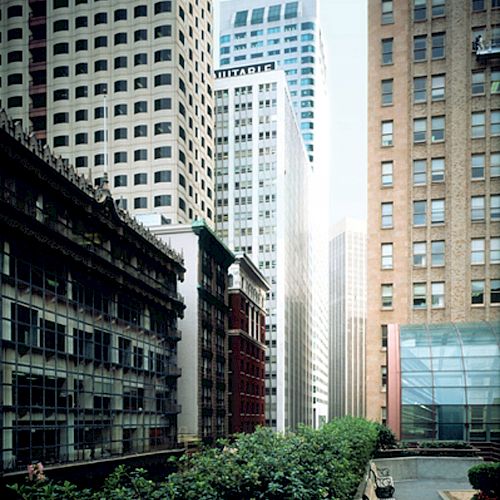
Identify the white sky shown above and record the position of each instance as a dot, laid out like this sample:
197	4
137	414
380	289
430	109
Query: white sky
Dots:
344	27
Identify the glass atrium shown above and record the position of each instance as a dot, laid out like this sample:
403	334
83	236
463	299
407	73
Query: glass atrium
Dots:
450	381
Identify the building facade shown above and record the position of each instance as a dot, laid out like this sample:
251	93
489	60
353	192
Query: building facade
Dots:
247	347
433	174
262	182
203	352
89	309
289	35
347	319
122	88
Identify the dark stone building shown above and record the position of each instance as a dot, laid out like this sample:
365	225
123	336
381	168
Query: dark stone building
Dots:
89	308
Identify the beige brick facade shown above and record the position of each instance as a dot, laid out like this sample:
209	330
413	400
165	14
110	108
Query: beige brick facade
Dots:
456	63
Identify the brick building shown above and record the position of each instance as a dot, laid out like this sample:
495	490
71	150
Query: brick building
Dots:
433	176
247	348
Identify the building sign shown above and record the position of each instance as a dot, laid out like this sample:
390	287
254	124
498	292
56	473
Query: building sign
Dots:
245	70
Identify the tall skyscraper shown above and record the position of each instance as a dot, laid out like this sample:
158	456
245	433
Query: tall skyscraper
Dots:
347	318
262	209
288	34
125	88
434	171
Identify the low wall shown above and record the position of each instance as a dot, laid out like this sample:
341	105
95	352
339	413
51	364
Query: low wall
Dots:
406	468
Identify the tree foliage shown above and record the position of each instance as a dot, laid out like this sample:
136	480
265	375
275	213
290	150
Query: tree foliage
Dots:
305	465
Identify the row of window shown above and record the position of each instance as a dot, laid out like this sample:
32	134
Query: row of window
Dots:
437	211
118	15
421	294
437	128
225	39
100	159
421	174
420	251
419	48
274	13
306	37
437	8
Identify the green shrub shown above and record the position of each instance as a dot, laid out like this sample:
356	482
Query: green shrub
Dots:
307	465
386	438
486	477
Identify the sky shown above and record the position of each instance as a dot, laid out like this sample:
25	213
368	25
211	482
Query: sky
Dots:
344	29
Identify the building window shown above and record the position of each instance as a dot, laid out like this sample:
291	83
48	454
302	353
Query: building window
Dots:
163	103
420	48
274	13
383	376
163	176
140	83
141	131
140	59
121	157
477	5
478	124
387	133
495	291
81	138
478	83
386	211
162	31
386	255
495	123
140	35
101	18
100	41
120	110
477	166
477	292
387	51
495	207
163	128
419	130
163	7
163	200
419	172
120	62
477	209
420	89
438	87
419	212
120	38
438	8
494	250
120	133
495	81
120	86
140	154
437	128
437	211
477	246
387	12
163	55
140	107
81	115
383	332
437	294
495	164
61	118
419	10
141	202
438	45
387	296
163	152
120	181
165	79
419	296
437	253
437	169
291	10
387	92
120	15
387	167
140	179
141	11
419	254
240	18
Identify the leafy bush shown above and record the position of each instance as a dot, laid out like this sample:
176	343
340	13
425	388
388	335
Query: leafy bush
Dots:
386	438
307	465
486	477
